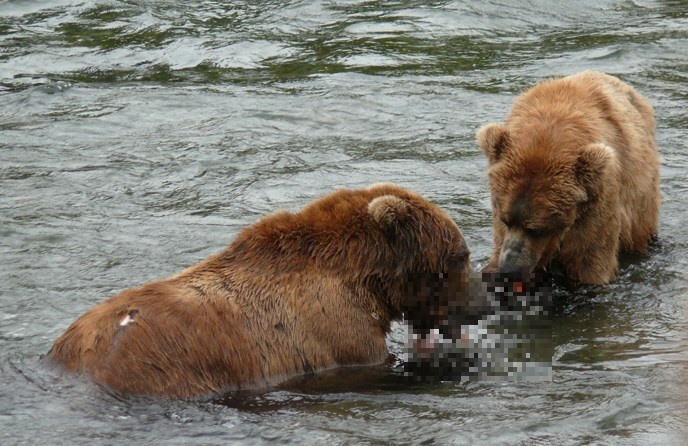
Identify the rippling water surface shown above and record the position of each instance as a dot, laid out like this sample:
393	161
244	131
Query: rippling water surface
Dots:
137	137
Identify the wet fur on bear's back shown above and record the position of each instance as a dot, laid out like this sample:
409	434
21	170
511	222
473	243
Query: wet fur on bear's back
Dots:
574	177
294	293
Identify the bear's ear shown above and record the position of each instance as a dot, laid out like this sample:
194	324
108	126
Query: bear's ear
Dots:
492	139
592	167
388	211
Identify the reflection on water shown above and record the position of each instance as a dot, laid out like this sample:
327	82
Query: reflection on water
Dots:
138	137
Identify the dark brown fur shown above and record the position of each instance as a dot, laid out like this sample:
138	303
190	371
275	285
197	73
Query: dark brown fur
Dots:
574	177
293	294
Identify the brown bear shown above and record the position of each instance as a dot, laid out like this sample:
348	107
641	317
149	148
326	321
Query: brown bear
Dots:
574	177
293	294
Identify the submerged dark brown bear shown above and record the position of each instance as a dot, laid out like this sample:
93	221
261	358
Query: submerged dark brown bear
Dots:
294	293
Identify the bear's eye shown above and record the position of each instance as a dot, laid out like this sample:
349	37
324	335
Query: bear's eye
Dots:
507	222
536	232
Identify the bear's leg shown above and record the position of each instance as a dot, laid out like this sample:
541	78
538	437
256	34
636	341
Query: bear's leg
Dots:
597	263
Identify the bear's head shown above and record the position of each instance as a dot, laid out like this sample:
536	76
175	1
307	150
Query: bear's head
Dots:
426	252
400	254
541	185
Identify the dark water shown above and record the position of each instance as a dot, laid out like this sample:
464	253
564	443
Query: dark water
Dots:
137	137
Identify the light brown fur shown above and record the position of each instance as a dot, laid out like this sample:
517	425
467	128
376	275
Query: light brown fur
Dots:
574	177
293	294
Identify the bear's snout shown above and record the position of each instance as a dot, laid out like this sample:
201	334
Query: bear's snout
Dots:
516	256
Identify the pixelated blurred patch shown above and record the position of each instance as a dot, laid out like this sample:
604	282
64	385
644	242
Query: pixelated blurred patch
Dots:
511	342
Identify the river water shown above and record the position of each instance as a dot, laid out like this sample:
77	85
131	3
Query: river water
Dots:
138	137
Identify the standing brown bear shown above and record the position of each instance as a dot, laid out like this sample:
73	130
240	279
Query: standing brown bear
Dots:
574	177
294	293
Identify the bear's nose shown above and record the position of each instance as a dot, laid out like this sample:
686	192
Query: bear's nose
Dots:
512	267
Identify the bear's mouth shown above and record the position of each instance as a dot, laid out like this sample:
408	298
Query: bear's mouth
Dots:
515	290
